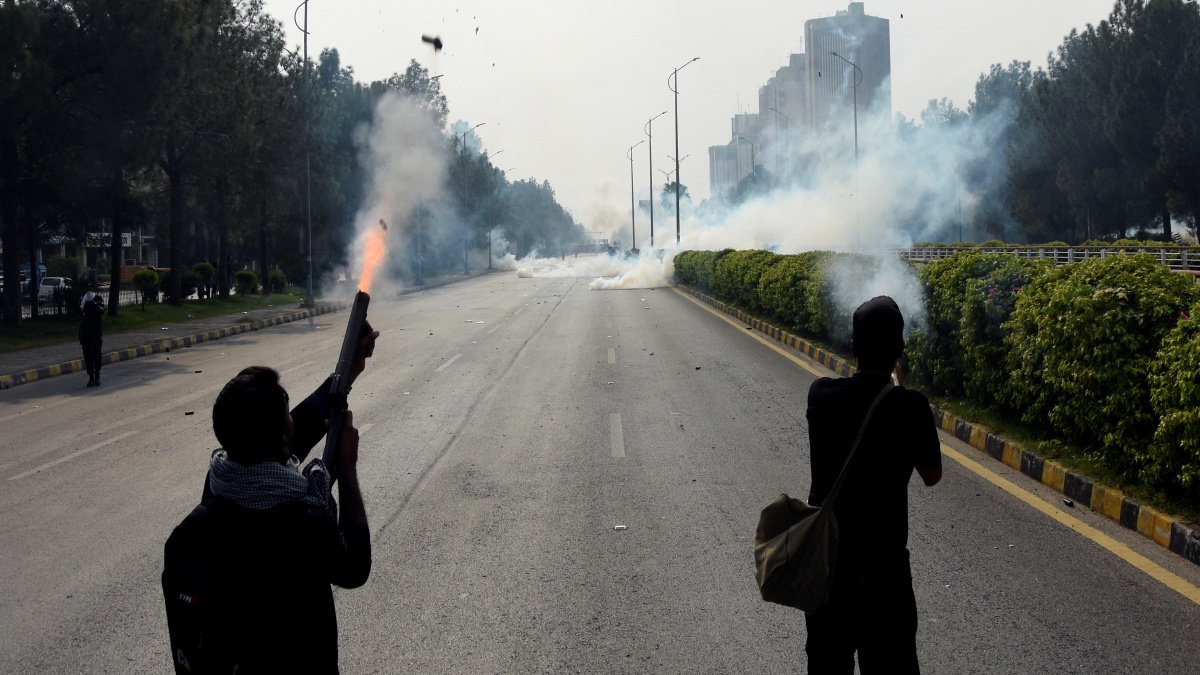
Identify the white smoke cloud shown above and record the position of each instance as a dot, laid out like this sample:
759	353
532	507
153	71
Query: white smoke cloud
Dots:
403	152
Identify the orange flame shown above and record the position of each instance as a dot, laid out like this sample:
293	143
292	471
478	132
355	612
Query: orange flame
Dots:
373	254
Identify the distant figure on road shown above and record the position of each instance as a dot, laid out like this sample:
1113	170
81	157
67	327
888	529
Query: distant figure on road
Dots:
247	574
91	334
871	609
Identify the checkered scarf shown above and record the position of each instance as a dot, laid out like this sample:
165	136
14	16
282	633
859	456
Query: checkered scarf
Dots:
268	484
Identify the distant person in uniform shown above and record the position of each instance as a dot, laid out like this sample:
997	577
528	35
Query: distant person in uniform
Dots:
91	334
871	608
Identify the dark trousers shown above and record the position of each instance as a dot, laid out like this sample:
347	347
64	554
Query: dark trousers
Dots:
874	615
91	357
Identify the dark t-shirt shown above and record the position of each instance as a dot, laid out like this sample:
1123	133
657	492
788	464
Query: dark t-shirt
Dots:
872	508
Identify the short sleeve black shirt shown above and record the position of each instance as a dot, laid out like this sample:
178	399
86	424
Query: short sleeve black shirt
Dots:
872	508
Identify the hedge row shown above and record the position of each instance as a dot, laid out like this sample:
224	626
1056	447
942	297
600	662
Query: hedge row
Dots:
1104	354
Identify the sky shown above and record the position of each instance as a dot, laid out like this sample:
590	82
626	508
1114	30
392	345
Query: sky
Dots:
563	89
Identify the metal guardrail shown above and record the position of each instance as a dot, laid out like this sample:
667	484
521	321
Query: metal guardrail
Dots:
1184	259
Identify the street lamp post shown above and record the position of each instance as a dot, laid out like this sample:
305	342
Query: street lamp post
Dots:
857	81
467	239
650	135
786	130
491	192
308	294
674	87
632	207
753	153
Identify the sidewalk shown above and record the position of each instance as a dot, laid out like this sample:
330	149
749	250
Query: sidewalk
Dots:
31	365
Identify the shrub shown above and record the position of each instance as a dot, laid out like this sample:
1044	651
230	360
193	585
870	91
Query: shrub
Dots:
935	348
1054	243
987	304
737	275
685	267
278	280
58	266
245	282
204	273
992	243
146	281
706	264
790	291
189	283
1174	457
1081	340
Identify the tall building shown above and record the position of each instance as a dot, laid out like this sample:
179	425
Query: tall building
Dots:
864	41
728	164
813	90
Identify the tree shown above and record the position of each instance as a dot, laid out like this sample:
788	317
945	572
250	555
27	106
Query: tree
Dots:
668	195
23	92
1148	57
1179	138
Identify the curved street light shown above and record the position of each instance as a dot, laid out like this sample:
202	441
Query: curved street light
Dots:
674	87
857	81
753	153
788	138
463	191
632	209
308	295
649	129
491	195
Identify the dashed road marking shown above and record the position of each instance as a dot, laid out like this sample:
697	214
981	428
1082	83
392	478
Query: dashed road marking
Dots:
73	455
616	435
447	364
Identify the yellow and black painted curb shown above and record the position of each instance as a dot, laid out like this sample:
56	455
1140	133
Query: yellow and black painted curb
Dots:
161	346
1174	534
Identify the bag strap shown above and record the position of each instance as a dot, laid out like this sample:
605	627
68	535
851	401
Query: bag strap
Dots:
837	486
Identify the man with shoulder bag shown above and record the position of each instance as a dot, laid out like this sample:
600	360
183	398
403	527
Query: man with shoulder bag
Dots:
870	608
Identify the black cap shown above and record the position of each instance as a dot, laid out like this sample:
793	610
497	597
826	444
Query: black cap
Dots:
878	330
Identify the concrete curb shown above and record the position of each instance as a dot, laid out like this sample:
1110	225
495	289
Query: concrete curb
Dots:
160	346
1172	533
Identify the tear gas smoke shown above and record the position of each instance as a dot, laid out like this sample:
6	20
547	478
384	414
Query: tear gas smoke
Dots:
403	154
912	185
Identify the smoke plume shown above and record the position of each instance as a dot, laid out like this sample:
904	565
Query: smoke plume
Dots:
405	161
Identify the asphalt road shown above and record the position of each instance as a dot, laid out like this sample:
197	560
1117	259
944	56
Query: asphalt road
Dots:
508	425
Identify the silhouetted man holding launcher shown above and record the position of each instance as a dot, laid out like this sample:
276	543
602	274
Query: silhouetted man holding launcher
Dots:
247	574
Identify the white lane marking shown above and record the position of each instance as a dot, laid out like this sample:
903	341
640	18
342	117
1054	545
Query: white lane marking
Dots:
518	311
617	434
295	368
612	355
73	455
447	364
365	428
493	330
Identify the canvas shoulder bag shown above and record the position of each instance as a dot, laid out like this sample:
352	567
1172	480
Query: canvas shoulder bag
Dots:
795	545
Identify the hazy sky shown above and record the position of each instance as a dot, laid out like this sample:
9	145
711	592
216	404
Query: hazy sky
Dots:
564	88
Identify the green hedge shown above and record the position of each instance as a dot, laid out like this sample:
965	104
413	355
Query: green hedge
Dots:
1104	354
1081	341
1174	458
